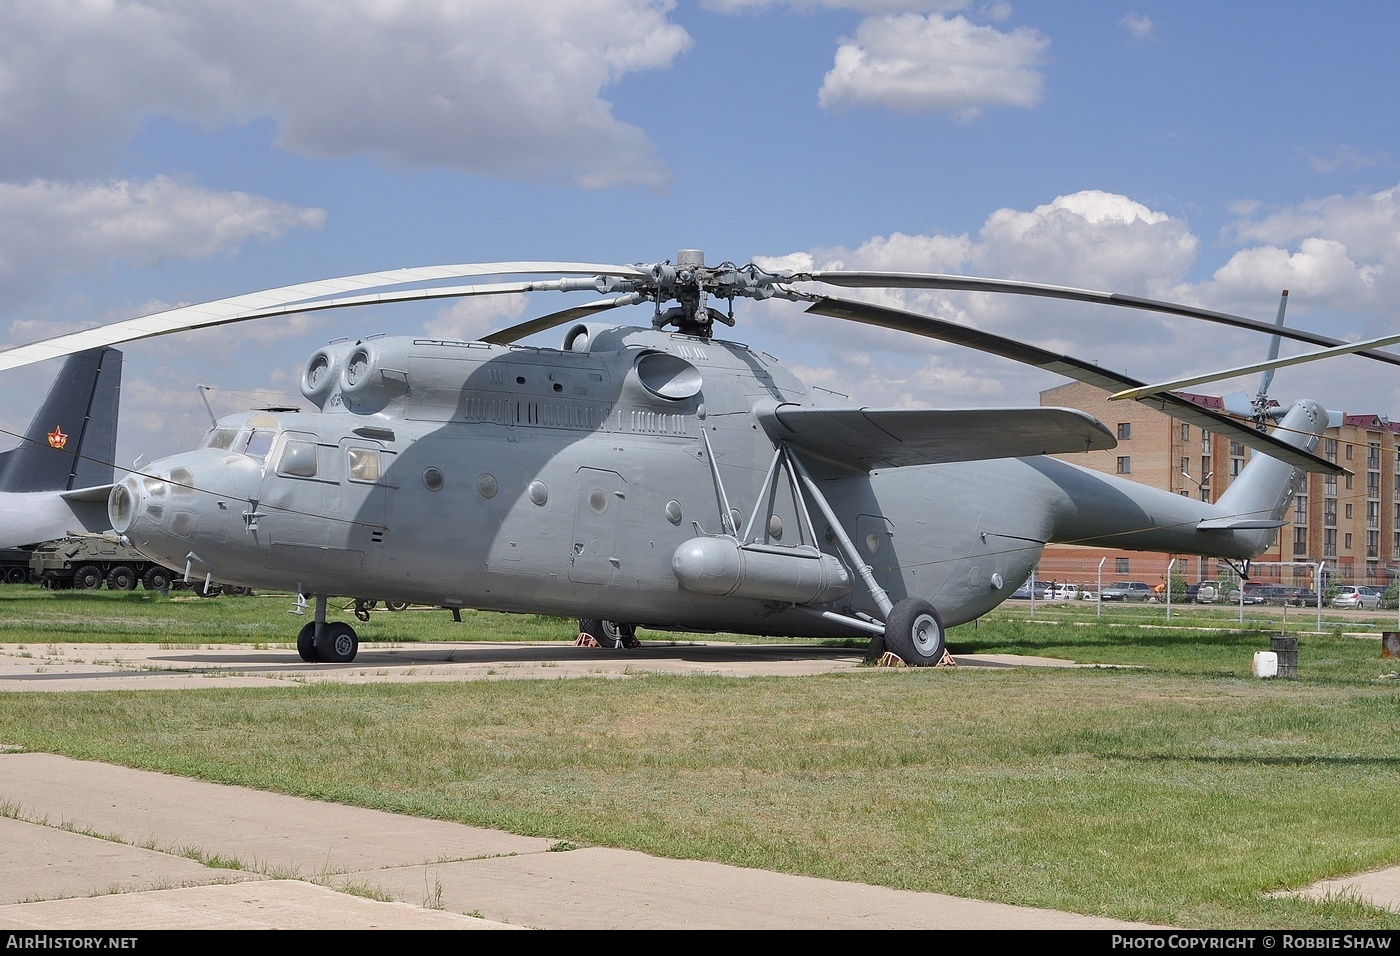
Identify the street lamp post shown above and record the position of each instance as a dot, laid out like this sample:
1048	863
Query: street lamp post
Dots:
1170	565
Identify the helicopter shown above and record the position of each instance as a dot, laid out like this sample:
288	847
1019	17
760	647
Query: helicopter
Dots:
659	475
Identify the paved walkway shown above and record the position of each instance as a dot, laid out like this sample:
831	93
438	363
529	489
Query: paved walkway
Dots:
88	846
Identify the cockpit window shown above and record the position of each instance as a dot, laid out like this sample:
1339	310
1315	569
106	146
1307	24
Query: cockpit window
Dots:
220	438
298	459
259	443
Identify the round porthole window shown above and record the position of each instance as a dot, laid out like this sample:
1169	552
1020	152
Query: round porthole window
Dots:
539	494
432	479
486	486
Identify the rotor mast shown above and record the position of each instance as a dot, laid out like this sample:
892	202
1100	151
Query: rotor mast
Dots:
691	284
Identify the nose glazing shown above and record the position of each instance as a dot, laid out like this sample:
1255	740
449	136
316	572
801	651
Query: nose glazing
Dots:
143	499
122	504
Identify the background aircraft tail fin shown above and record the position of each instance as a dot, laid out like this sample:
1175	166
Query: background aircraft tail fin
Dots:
72	440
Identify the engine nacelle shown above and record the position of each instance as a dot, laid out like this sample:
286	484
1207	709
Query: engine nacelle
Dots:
721	565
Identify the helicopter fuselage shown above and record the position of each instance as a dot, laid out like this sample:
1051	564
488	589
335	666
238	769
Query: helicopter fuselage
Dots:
627	476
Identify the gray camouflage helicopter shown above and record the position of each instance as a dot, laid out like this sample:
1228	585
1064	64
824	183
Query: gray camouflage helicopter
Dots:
658	475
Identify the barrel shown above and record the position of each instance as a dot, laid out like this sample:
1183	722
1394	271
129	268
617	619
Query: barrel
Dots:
1287	650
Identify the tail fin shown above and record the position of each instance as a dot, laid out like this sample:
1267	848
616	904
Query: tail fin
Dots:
72	441
1260	496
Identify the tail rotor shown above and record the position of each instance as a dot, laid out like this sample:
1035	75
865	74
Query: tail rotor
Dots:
1259	409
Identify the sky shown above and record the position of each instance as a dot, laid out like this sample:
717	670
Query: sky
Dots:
161	153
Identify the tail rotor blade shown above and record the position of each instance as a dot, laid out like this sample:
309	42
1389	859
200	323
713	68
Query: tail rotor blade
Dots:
1238	404
1262	400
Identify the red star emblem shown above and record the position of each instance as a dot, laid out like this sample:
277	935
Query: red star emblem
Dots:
56	437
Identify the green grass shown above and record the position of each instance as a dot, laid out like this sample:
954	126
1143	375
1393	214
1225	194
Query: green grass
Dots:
1172	787
29	613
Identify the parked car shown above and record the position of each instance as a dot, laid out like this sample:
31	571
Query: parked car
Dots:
1023	593
1357	596
1293	597
1254	593
1128	591
1201	593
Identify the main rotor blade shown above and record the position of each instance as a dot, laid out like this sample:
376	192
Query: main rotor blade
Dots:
546	322
1087	372
914	280
1148	390
398	285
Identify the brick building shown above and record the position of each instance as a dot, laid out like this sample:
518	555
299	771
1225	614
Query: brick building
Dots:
1349	523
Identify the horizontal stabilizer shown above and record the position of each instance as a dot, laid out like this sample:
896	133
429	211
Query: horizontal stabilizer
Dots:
93	493
1238	524
864	439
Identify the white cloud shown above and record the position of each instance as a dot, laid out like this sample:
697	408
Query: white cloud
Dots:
934	64
1349	157
1141	27
860	6
470	319
505	87
1343	251
52	229
1091	239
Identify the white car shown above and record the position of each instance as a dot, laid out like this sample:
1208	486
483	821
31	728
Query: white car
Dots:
1353	596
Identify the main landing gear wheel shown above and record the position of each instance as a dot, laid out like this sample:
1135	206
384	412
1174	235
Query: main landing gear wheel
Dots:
609	634
914	633
338	643
306	643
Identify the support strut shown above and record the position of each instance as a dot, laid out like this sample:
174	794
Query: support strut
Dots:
848	548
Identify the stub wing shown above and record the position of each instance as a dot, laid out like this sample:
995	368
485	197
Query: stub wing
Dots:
864	439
